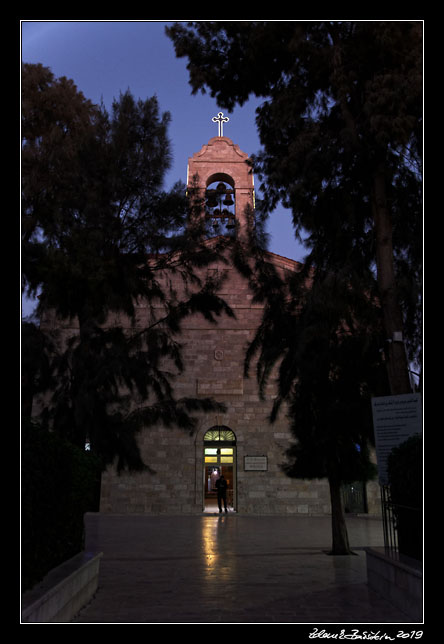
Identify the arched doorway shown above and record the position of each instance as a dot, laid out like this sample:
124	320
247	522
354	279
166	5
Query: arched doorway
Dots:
219	458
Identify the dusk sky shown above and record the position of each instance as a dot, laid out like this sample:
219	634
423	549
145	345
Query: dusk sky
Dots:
104	58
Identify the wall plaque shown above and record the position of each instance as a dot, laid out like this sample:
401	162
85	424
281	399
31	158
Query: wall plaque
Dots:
255	463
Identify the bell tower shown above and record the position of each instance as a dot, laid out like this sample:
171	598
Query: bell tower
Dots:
224	179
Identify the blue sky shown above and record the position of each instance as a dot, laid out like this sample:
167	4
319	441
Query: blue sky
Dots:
105	58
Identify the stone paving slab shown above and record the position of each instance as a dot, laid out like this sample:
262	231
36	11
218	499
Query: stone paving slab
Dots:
231	569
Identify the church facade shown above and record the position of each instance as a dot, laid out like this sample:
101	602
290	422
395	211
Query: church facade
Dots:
240	443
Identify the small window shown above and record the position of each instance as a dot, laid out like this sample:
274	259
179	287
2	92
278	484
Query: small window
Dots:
220	434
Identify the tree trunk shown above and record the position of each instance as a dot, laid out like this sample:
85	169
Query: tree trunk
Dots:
340	545
397	365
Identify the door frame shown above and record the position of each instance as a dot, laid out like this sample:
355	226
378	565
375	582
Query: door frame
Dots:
220	444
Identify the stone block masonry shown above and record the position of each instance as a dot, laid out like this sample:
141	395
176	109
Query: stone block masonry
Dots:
214	356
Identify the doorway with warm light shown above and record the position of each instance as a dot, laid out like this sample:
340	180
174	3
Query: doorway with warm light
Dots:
219	459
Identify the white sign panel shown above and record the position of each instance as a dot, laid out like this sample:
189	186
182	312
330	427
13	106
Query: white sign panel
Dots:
395	419
255	463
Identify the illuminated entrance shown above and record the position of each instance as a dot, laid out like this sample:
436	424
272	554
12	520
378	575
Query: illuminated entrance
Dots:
219	458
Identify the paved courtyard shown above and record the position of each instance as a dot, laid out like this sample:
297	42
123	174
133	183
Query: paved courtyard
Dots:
232	568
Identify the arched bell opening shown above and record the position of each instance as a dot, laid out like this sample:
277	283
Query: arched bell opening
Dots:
220	204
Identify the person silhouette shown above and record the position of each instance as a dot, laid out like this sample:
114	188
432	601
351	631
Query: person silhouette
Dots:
221	486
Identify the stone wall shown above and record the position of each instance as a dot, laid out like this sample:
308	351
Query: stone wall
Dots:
64	590
214	358
397	578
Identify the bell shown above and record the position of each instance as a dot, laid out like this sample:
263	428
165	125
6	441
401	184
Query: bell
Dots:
221	187
231	223
211	202
228	201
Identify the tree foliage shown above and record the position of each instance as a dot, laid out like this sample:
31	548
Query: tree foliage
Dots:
320	340
341	130
99	232
59	483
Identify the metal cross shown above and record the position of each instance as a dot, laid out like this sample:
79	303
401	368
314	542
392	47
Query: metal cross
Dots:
220	119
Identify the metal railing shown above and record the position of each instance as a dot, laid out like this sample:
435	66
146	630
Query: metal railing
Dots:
388	521
402	526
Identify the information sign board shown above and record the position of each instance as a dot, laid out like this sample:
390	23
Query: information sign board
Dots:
395	419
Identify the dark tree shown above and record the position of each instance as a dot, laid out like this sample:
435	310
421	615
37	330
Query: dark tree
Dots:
99	232
341	130
319	340
36	369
